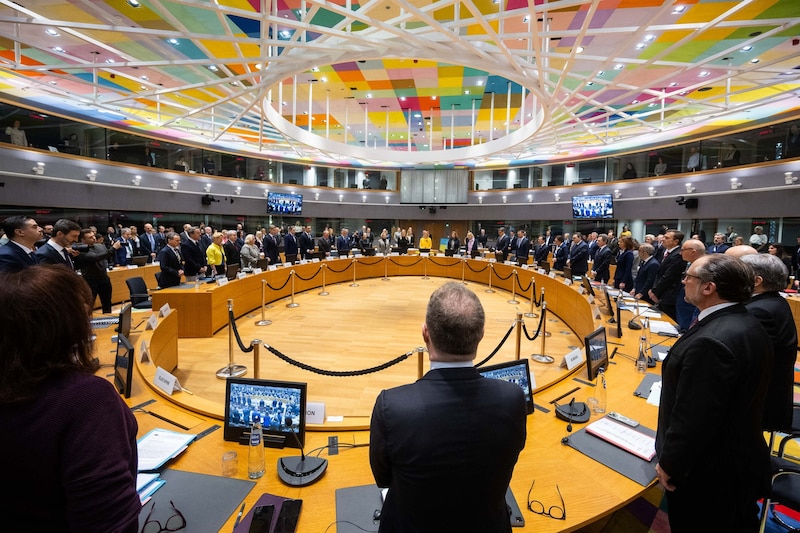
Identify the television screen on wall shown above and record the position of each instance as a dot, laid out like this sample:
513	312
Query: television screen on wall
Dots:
281	203
592	206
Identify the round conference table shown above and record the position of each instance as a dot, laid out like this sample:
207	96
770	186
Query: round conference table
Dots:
590	489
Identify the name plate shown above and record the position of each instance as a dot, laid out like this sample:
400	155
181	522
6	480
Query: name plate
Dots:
493	260
395	253
241	275
315	413
164	311
152	322
257	270
424	254
222	281
315	260
541	271
303	261
573	359
166	381
525	266
272	267
287	264
509	262
144	352
552	275
132	266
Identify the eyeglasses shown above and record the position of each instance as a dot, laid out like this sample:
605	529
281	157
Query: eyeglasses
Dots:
176	522
556	512
687	275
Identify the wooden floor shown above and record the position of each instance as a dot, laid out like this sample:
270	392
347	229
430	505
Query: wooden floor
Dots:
355	328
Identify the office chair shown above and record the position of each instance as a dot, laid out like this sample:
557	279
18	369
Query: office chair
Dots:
140	298
785	484
158	278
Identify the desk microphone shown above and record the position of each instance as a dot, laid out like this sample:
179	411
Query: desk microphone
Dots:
565	440
633	324
300	471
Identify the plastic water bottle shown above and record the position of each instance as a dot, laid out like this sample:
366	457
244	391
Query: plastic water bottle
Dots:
641	360
255	452
602	393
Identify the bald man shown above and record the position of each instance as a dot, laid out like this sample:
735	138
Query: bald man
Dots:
740	250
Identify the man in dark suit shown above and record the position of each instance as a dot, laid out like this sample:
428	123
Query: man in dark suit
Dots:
205	238
452	428
648	269
127	248
233	255
719	246
171	262
194	258
290	247
150	243
93	264
774	313
271	245
668	280
19	252
592	245
578	260
343	243
502	244
305	243
602	260
324	243
522	248
58	250
560	254
709	442
542	251
482	238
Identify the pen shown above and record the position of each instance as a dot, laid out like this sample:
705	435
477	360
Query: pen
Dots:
565	394
238	517
615	343
164	418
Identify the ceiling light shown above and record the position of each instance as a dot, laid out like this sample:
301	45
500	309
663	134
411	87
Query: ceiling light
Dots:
755	60
92	175
789	179
601	72
673	84
735	184
137	180
480	199
652	191
58	49
649	38
635	102
619	66
525	19
238	191
387	199
579	50
173	41
557	197
207	187
341	197
266	193
51	32
747	48
588	83
690	188
134	3
213	68
38	169
677	10
505	199
174	185
363	198
617	193
480	82
640	46
704	73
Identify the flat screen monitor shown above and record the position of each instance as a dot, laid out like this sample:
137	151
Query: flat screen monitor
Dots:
269	401
139	260
596	352
592	207
123	366
231	271
284	203
124	327
516	372
609	306
587	285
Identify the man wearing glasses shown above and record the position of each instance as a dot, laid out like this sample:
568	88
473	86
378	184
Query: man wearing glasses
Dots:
711	451
446	445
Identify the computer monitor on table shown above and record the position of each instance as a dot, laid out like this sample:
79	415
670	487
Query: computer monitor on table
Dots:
596	352
271	402
231	271
123	366
139	260
516	372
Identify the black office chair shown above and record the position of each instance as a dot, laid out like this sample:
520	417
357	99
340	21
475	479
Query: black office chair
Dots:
785	486
158	278
140	298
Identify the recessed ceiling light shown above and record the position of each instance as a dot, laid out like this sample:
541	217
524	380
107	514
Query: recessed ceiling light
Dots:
58	49
51	32
640	46
704	73
134	3
619	66
677	10
466	91
635	102
173	41
755	60
109	60
145	78
589	83
213	68
673	84
747	48
649	38
579	50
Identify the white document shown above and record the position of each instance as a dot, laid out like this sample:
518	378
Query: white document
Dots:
159	446
659	326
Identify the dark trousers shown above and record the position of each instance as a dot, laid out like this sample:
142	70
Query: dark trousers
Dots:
101	287
713	506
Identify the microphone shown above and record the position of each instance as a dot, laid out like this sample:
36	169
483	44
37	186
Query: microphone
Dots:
633	324
565	440
300	471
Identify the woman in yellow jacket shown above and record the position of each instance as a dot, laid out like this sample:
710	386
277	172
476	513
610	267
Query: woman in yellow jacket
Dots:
425	241
215	255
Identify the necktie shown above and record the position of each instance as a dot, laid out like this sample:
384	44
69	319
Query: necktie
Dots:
67	258
666	253
152	242
177	254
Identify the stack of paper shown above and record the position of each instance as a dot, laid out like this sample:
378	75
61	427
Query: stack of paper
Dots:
146	485
159	446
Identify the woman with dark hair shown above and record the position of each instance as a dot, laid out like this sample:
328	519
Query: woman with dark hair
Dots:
780	252
623	276
69	439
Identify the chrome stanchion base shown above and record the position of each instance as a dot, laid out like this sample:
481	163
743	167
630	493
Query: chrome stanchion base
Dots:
490	291
324	293
293	304
354	284
547	334
231	371
515	302
386	279
541	358
531	315
263	322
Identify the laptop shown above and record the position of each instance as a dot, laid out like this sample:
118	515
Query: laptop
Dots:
139	260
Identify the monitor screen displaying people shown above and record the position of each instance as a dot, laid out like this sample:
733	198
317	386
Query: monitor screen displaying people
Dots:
279	203
592	206
269	402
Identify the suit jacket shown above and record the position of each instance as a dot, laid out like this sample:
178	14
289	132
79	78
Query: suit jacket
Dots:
121	255
305	242
579	259
47	255
522	249
343	245
718	248
170	265
775	315
324	245
668	279
194	258
560	257
623	273
542	253
453	245
602	260
446	445
232	255
144	244
645	278
271	250
93	263
500	247
205	241
13	258
713	385
592	249
290	247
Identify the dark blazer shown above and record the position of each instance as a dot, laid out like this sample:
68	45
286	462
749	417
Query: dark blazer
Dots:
13	258
47	255
194	258
324	245
453	244
271	250
522	249
232	255
290	247
714	381
93	263
579	259
500	247
541	253
718	248
205	241
170	265
305	243
560	257
144	244
452	428
668	279
593	249
602	260
343	245
775	315
623	273
121	255
645	278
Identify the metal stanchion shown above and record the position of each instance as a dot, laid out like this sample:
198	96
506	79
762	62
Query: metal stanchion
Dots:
542	357
354	284
463	266
545	333
231	370
386	268
491	269
256	344
323	266
531	314
420	361
425	268
292	303
519	336
513	299
263	321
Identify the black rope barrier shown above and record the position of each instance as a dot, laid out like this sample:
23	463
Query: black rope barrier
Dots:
503	341
503	278
370	264
432	260
312	277
524	289
349	264
403	266
282	286
242	347
341	373
538	328
485	266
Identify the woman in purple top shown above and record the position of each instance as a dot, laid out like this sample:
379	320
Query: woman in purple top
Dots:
69	441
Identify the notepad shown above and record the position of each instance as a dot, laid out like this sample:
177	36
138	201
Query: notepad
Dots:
159	446
624	437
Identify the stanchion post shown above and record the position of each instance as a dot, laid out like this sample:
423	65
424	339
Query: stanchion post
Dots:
531	314
263	321
543	357
292	303
545	333
386	267
491	269
231	370
513	299
420	361
256	344
323	267
354	284
519	336
425	268
463	267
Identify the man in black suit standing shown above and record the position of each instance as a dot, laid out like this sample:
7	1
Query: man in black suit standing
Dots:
709	443
522	248
19	252
271	245
452	428
482	238
343	243
324	243
194	257
502	244
150	243
578	260
668	280
93	264
171	262
58	250
305	243
205	238
290	245
232	254
648	268
774	313
542	251
602	260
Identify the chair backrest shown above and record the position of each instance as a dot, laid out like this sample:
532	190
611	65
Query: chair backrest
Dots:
138	290
158	278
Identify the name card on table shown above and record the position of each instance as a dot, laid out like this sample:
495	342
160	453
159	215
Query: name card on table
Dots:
164	311
144	352
552	275
573	359
241	275
303	261
581	290
493	260
257	270
166	381
152	322
132	266
272	267
541	271
315	260
315	413
509	262
524	266
222	281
